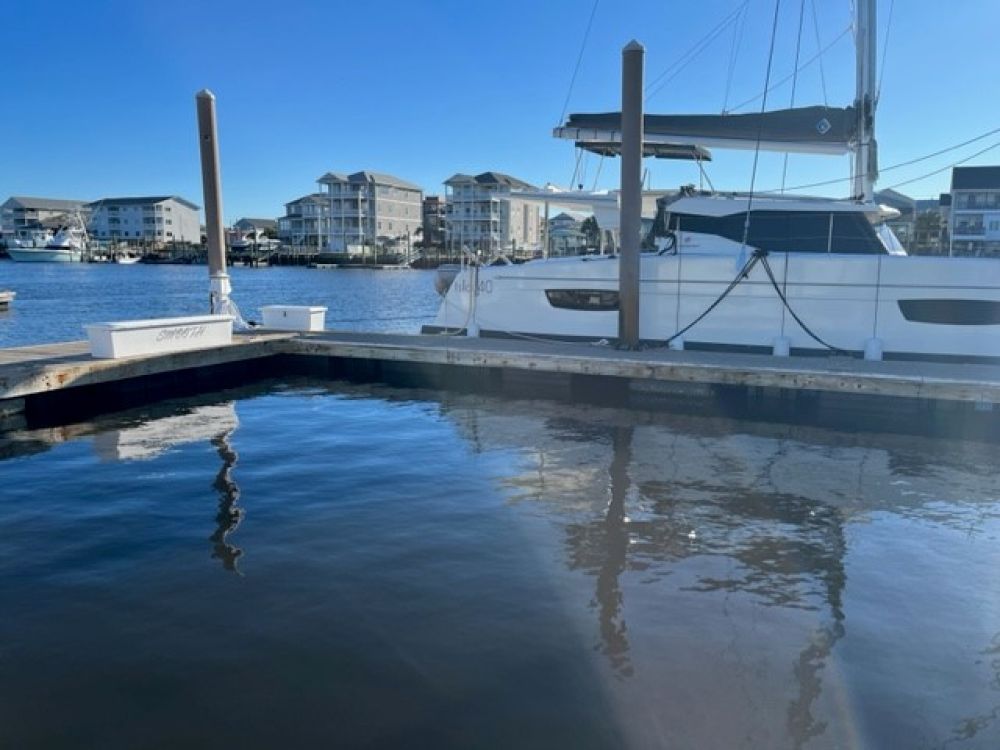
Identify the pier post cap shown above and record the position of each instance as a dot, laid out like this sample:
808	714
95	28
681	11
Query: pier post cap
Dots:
205	94
633	46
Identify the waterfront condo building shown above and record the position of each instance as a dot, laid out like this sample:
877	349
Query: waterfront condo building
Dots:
370	208
483	216
975	211
156	220
302	225
351	212
20	215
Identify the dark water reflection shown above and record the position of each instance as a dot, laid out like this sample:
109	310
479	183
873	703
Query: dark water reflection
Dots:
230	514
429	569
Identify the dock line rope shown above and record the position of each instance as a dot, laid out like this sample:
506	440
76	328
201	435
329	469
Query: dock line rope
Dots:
784	301
742	274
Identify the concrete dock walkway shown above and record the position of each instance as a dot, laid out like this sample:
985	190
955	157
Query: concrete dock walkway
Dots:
54	376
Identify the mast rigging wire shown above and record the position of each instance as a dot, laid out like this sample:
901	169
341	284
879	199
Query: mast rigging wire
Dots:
734	52
579	59
885	49
819	45
795	81
907	163
786	79
689	55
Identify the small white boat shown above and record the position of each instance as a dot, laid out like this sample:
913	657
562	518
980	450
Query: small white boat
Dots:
127	260
6	297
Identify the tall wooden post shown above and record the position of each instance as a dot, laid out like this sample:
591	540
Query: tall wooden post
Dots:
219	285
631	195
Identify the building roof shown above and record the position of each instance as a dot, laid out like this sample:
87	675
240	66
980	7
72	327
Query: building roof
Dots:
47	204
144	199
975	178
258	223
311	198
365	176
490	178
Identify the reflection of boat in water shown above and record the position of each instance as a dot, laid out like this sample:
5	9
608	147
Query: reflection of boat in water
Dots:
151	438
722	547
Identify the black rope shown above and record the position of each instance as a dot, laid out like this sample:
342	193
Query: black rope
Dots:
743	273
784	301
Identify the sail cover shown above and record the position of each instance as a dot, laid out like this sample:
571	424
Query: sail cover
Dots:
827	130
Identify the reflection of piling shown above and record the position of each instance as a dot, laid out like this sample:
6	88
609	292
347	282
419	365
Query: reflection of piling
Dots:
230	514
212	189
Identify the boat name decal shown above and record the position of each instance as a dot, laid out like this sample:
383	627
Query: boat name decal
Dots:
485	286
184	332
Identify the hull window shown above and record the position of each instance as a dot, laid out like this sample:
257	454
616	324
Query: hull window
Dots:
583	299
953	312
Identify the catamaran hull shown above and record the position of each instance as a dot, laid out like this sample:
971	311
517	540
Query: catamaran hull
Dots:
923	307
44	254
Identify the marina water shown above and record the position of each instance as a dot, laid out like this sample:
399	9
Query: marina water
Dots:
321	564
55	300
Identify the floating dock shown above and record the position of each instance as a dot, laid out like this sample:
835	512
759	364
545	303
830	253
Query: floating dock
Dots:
56	383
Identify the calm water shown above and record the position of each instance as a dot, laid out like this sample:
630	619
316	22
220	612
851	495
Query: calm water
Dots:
309	565
54	300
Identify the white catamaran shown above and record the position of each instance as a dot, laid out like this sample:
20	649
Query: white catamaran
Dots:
805	275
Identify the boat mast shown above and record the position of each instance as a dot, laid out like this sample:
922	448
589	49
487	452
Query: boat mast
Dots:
865	153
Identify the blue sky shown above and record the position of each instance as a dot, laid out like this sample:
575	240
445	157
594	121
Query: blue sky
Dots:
99	96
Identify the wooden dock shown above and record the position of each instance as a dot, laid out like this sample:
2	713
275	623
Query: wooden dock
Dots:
56	376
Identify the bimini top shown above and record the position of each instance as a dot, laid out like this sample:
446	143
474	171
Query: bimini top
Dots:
827	130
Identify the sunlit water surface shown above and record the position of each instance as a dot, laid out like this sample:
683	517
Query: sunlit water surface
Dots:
55	300
308	565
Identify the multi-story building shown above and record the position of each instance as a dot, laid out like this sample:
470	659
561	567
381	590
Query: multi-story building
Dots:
369	209
433	221
302	225
975	211
566	236
156	220
20	214
484	216
351	212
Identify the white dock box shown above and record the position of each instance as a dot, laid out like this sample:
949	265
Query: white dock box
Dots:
158	335
294	317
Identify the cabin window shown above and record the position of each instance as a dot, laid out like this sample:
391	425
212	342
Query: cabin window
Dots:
788	231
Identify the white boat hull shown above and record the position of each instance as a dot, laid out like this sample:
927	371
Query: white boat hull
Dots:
45	254
910	306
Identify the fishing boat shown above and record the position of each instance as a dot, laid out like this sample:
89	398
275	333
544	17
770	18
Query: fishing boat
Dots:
6	297
761	273
65	246
26	237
